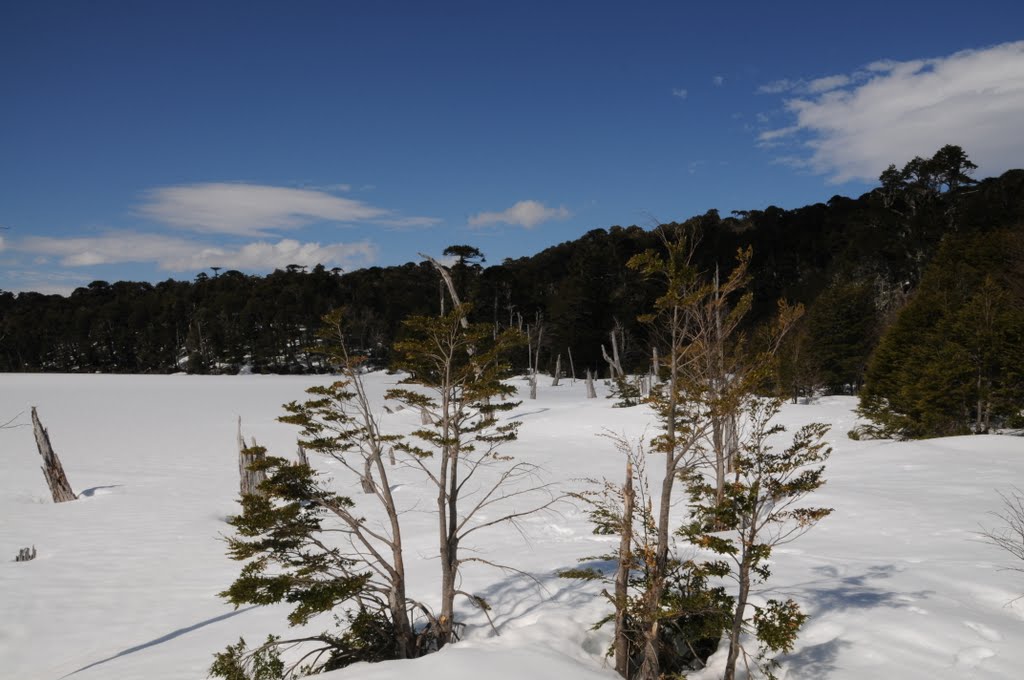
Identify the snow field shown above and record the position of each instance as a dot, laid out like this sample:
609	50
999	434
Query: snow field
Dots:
896	581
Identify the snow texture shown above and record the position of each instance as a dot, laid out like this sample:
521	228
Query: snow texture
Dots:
896	581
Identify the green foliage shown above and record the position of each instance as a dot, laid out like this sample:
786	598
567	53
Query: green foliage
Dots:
760	510
950	364
280	537
463	369
692	614
840	335
238	663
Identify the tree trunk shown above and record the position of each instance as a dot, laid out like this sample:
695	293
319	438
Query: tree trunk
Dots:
572	367
60	488
533	386
737	621
621	643
615	371
303	459
655	366
558	371
591	392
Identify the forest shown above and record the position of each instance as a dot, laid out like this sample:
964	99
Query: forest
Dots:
913	296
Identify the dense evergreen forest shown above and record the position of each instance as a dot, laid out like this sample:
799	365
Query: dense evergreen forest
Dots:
913	292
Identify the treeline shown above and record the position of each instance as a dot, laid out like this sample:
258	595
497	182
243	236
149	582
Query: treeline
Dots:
912	259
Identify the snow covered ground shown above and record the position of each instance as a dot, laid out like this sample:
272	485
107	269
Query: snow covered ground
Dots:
896	581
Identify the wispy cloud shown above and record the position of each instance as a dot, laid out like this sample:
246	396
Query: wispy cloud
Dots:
2	244
815	86
47	282
526	214
770	138
680	92
889	112
718	81
828	83
180	254
777	87
257	210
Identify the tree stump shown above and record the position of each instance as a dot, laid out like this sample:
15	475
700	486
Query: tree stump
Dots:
25	555
249	479
60	488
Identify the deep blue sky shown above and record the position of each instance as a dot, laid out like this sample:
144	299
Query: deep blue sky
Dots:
135	136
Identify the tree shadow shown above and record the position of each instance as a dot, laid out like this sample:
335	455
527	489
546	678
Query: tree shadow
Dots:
91	491
815	661
520	416
530	592
162	639
842	593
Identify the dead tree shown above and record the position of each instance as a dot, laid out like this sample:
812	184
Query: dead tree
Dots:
303	459
25	555
614	364
572	367
621	640
591	392
249	479
558	371
60	488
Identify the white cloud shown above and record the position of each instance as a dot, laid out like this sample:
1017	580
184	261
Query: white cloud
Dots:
47	282
777	86
680	92
526	214
770	138
718	81
827	84
179	254
892	111
256	210
2	246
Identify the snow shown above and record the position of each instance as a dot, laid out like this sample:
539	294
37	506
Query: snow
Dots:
897	582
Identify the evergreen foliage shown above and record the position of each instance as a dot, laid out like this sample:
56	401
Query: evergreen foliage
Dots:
759	511
951	362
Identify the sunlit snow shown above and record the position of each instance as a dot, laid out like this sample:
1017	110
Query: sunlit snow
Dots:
897	582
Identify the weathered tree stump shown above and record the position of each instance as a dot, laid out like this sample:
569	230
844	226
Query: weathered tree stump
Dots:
25	555
591	391
249	479
301	454
558	371
60	488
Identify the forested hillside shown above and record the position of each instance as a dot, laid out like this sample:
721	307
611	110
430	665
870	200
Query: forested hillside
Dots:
929	263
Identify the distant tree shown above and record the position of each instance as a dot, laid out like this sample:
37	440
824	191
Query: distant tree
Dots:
465	254
840	335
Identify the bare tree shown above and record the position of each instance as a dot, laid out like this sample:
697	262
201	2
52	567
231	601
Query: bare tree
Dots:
1009	536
